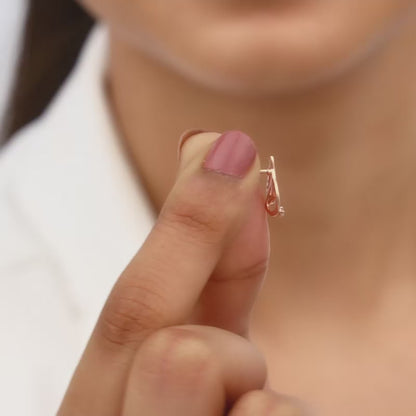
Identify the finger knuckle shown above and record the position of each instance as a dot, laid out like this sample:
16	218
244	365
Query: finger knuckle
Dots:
256	269
245	272
176	355
264	403
195	219
131	312
199	210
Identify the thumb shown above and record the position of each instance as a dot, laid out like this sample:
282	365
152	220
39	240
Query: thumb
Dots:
229	295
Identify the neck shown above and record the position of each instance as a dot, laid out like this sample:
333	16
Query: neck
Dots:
345	157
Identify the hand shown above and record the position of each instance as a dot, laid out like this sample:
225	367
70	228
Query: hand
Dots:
172	338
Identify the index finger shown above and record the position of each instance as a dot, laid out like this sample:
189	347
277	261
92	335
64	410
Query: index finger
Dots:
164	280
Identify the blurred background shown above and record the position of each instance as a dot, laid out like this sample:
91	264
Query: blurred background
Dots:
12	14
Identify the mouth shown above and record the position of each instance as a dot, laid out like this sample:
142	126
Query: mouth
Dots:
260	9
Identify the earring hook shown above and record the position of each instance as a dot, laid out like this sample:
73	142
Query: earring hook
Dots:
272	204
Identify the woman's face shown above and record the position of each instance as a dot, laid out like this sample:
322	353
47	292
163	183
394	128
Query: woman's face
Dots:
257	46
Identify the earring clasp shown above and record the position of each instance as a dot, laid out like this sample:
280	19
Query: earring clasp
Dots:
272	204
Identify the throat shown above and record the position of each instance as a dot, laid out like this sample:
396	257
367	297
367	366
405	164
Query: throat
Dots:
341	335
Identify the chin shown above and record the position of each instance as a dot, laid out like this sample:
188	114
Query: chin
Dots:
258	47
264	67
255	59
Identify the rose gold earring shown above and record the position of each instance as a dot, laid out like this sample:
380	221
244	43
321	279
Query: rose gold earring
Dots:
272	204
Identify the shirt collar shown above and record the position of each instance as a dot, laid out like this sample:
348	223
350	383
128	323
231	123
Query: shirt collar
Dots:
78	188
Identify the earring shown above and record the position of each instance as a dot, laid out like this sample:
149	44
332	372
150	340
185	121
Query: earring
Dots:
272	203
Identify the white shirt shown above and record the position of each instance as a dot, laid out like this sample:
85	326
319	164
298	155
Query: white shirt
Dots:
72	215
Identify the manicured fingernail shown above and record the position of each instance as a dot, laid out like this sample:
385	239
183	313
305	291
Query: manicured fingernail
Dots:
185	136
232	153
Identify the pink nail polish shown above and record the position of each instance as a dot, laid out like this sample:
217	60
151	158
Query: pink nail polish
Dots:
233	153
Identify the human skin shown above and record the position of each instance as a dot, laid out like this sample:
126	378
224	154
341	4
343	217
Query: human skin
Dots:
327	87
144	356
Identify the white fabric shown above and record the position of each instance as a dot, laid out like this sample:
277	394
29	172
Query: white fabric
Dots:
72	215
